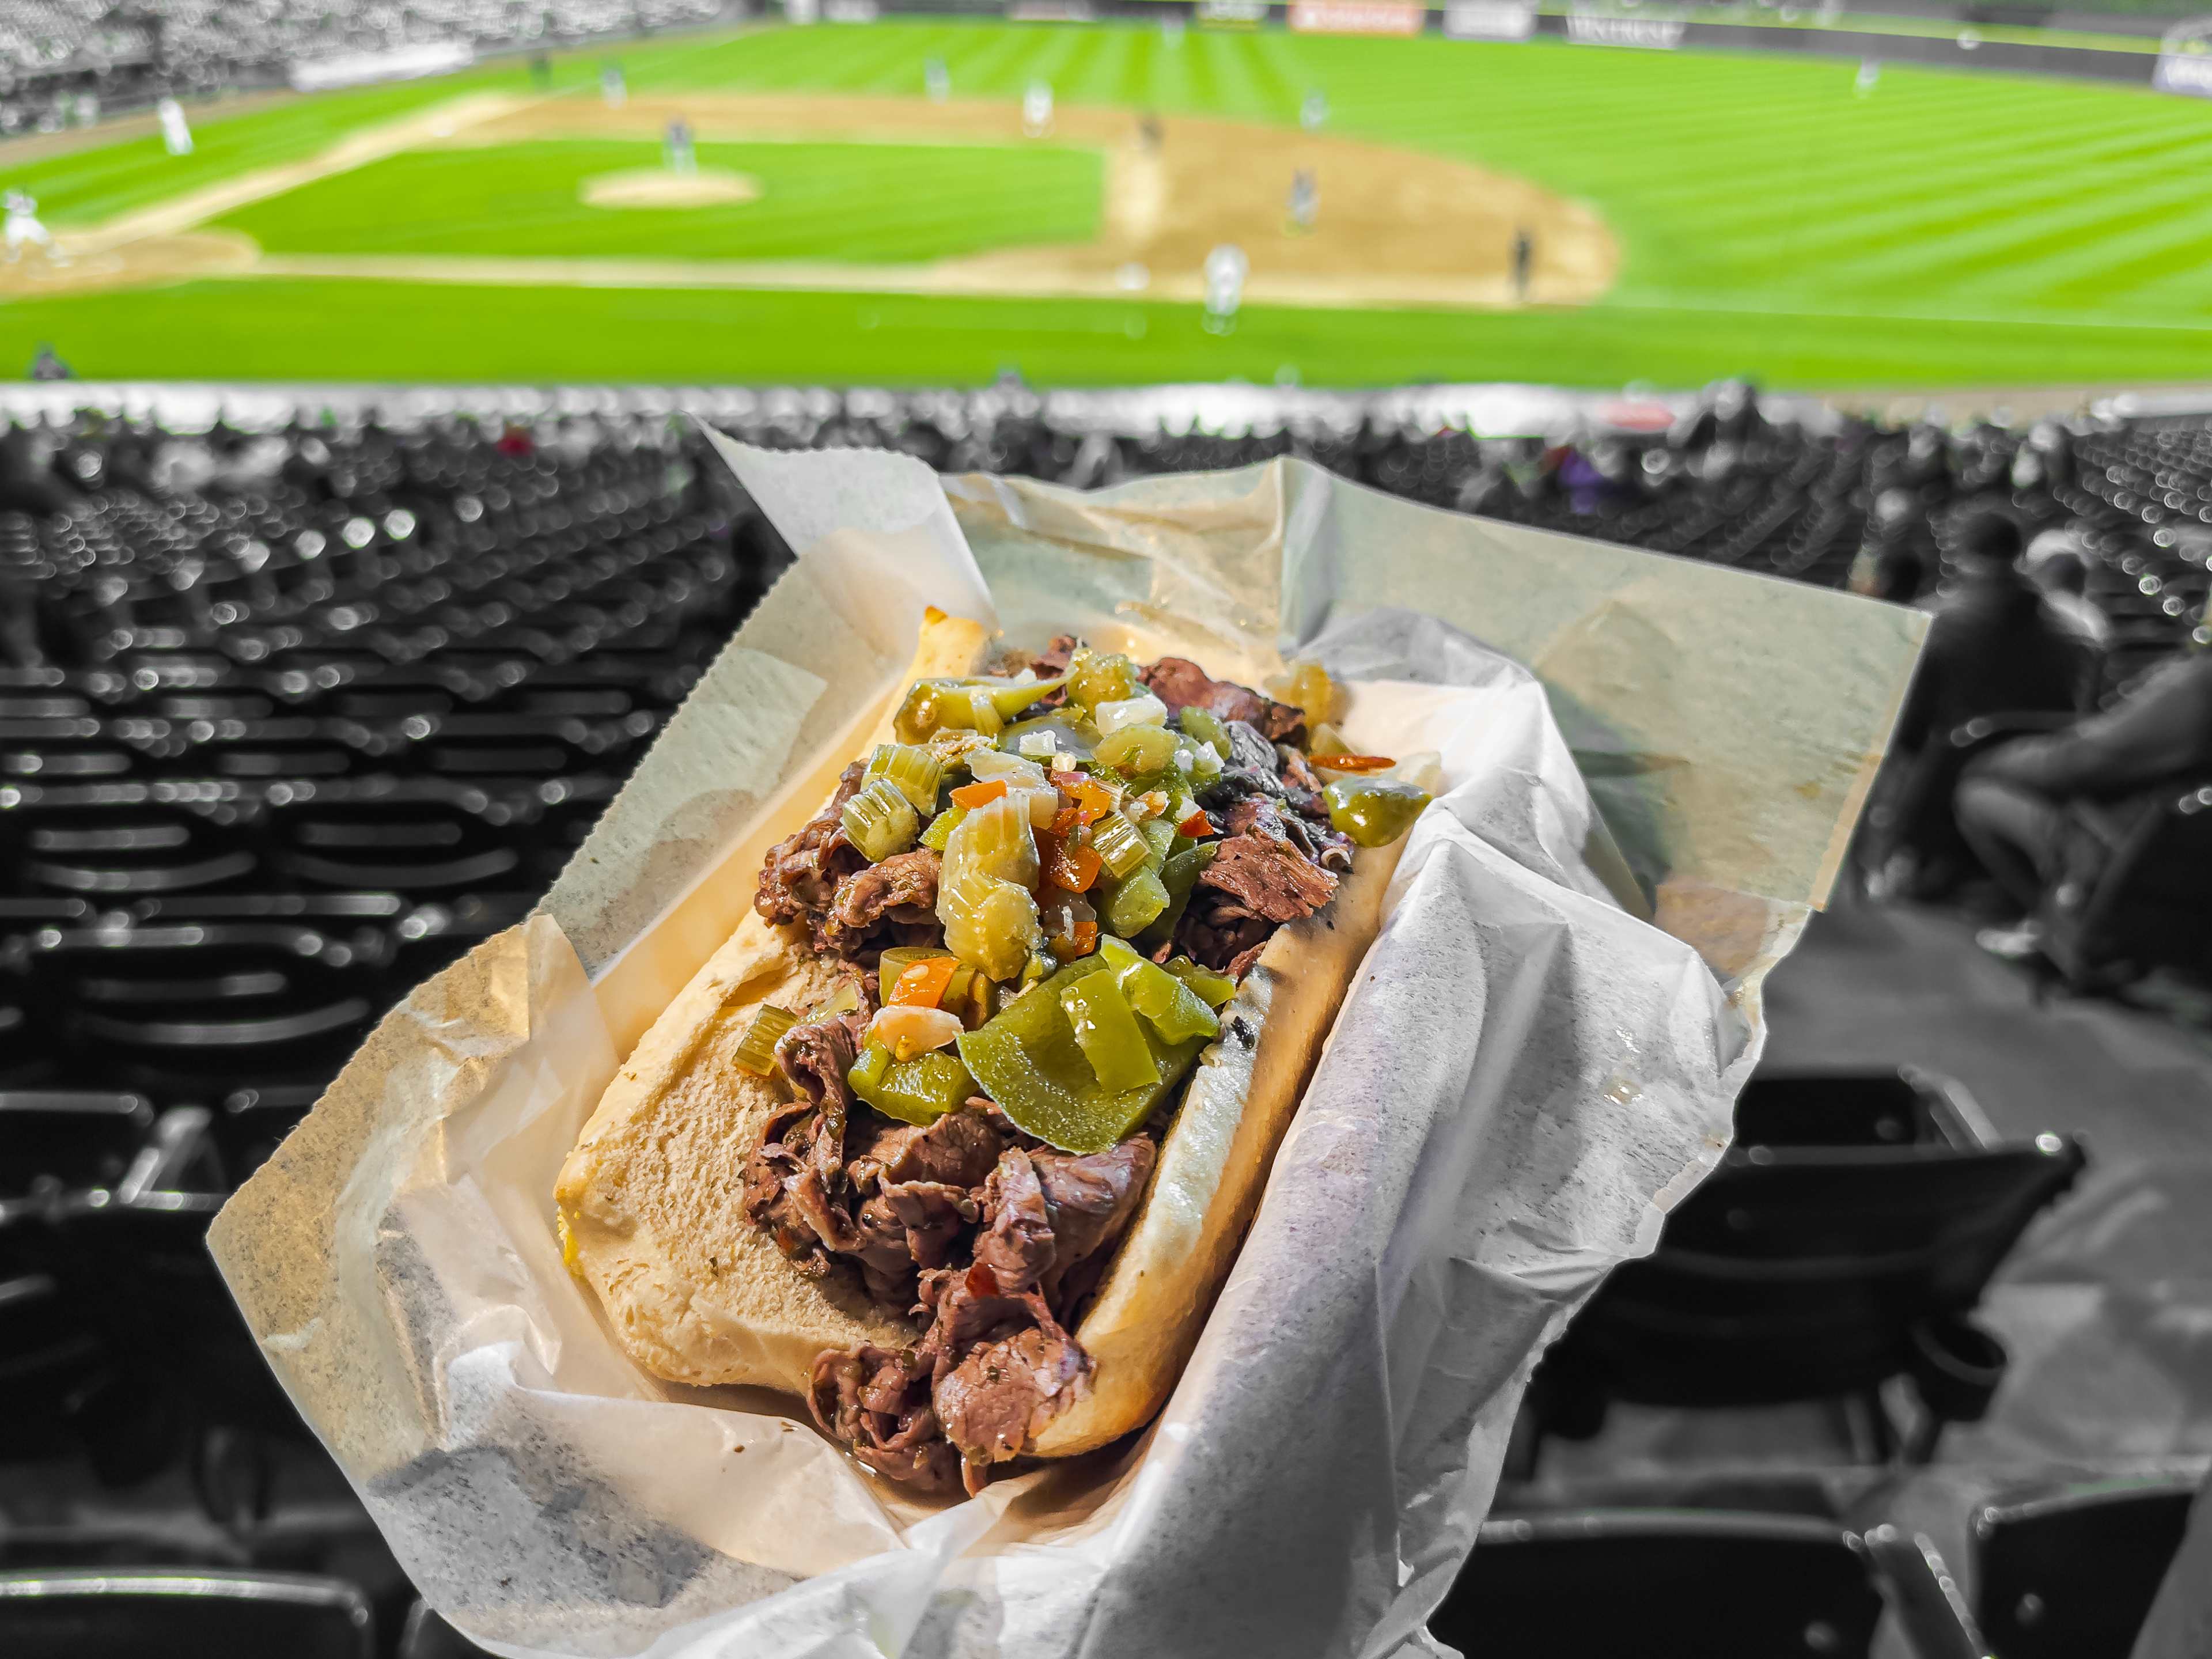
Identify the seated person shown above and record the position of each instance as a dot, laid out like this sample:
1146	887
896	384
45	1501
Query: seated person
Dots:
1994	648
2016	803
2054	563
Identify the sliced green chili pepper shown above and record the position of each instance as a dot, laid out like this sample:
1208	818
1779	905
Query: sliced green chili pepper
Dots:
1106	1031
1134	905
1374	811
1206	726
918	1090
1213	989
1028	1059
1176	1012
1178	878
1096	677
1070	736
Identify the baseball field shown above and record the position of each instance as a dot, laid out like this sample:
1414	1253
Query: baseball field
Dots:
1688	214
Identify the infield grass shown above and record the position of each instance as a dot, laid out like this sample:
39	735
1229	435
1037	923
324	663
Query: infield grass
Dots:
1948	228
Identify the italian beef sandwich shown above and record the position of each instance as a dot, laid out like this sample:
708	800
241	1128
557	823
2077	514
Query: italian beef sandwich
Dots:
958	1135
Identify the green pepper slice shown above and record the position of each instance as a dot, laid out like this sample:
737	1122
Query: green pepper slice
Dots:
1176	1012
1374	811
918	1090
1178	879
1106	1031
1213	989
1029	1059
1134	905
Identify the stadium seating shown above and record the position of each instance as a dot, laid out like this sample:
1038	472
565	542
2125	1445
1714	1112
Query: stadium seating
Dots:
2069	1571
289	717
1719	1585
1835	1248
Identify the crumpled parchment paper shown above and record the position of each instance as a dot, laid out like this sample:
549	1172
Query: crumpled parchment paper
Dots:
1523	1076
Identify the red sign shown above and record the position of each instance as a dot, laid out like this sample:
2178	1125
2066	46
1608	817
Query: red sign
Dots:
1357	17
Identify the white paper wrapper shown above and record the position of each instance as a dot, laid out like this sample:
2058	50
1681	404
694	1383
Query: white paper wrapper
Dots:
1523	1076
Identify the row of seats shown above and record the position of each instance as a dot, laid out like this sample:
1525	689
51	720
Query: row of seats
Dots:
2068	1573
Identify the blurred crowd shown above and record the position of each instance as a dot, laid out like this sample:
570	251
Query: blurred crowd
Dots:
62	61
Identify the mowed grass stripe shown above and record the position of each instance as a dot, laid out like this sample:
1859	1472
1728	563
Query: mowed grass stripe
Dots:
863	202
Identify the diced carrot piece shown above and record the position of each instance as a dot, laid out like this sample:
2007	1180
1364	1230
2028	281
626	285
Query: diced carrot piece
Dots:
1064	823
1086	937
1067	865
921	985
1197	825
973	795
1353	762
1092	802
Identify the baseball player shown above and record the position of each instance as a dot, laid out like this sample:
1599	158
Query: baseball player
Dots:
1313	114
1226	267
1036	109
682	155
1869	72
1305	199
936	80
613	89
22	227
176	132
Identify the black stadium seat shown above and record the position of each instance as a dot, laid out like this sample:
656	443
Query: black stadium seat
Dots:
1810	1273
1627	1584
2071	1575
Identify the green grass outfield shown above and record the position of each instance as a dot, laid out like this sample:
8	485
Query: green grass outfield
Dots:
1951	228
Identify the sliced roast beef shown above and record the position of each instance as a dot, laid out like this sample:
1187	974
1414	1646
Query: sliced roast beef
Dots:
801	873
1091	1199
1004	1390
876	1402
960	1149
1181	683
1268	877
901	888
1016	1243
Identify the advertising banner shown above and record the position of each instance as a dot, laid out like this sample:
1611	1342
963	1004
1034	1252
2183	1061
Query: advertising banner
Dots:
2184	60
1490	20
1356	17
1651	30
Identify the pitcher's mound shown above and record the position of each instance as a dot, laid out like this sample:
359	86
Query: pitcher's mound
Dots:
659	187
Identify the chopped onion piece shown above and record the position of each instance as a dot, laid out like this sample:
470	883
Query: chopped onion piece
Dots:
907	1031
1143	709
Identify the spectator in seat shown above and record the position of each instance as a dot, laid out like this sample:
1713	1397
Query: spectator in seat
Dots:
2017	803
2054	563
1994	648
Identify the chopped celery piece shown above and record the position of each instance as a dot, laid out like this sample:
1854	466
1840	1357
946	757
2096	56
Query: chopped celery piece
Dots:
1374	811
1159	836
941	827
845	1000
1028	1059
1214	989
1096	677
756	1050
990	924
1134	904
1135	749
1176	1012
995	840
918	1090
1120	847
880	821
1206	726
915	771
1106	1031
